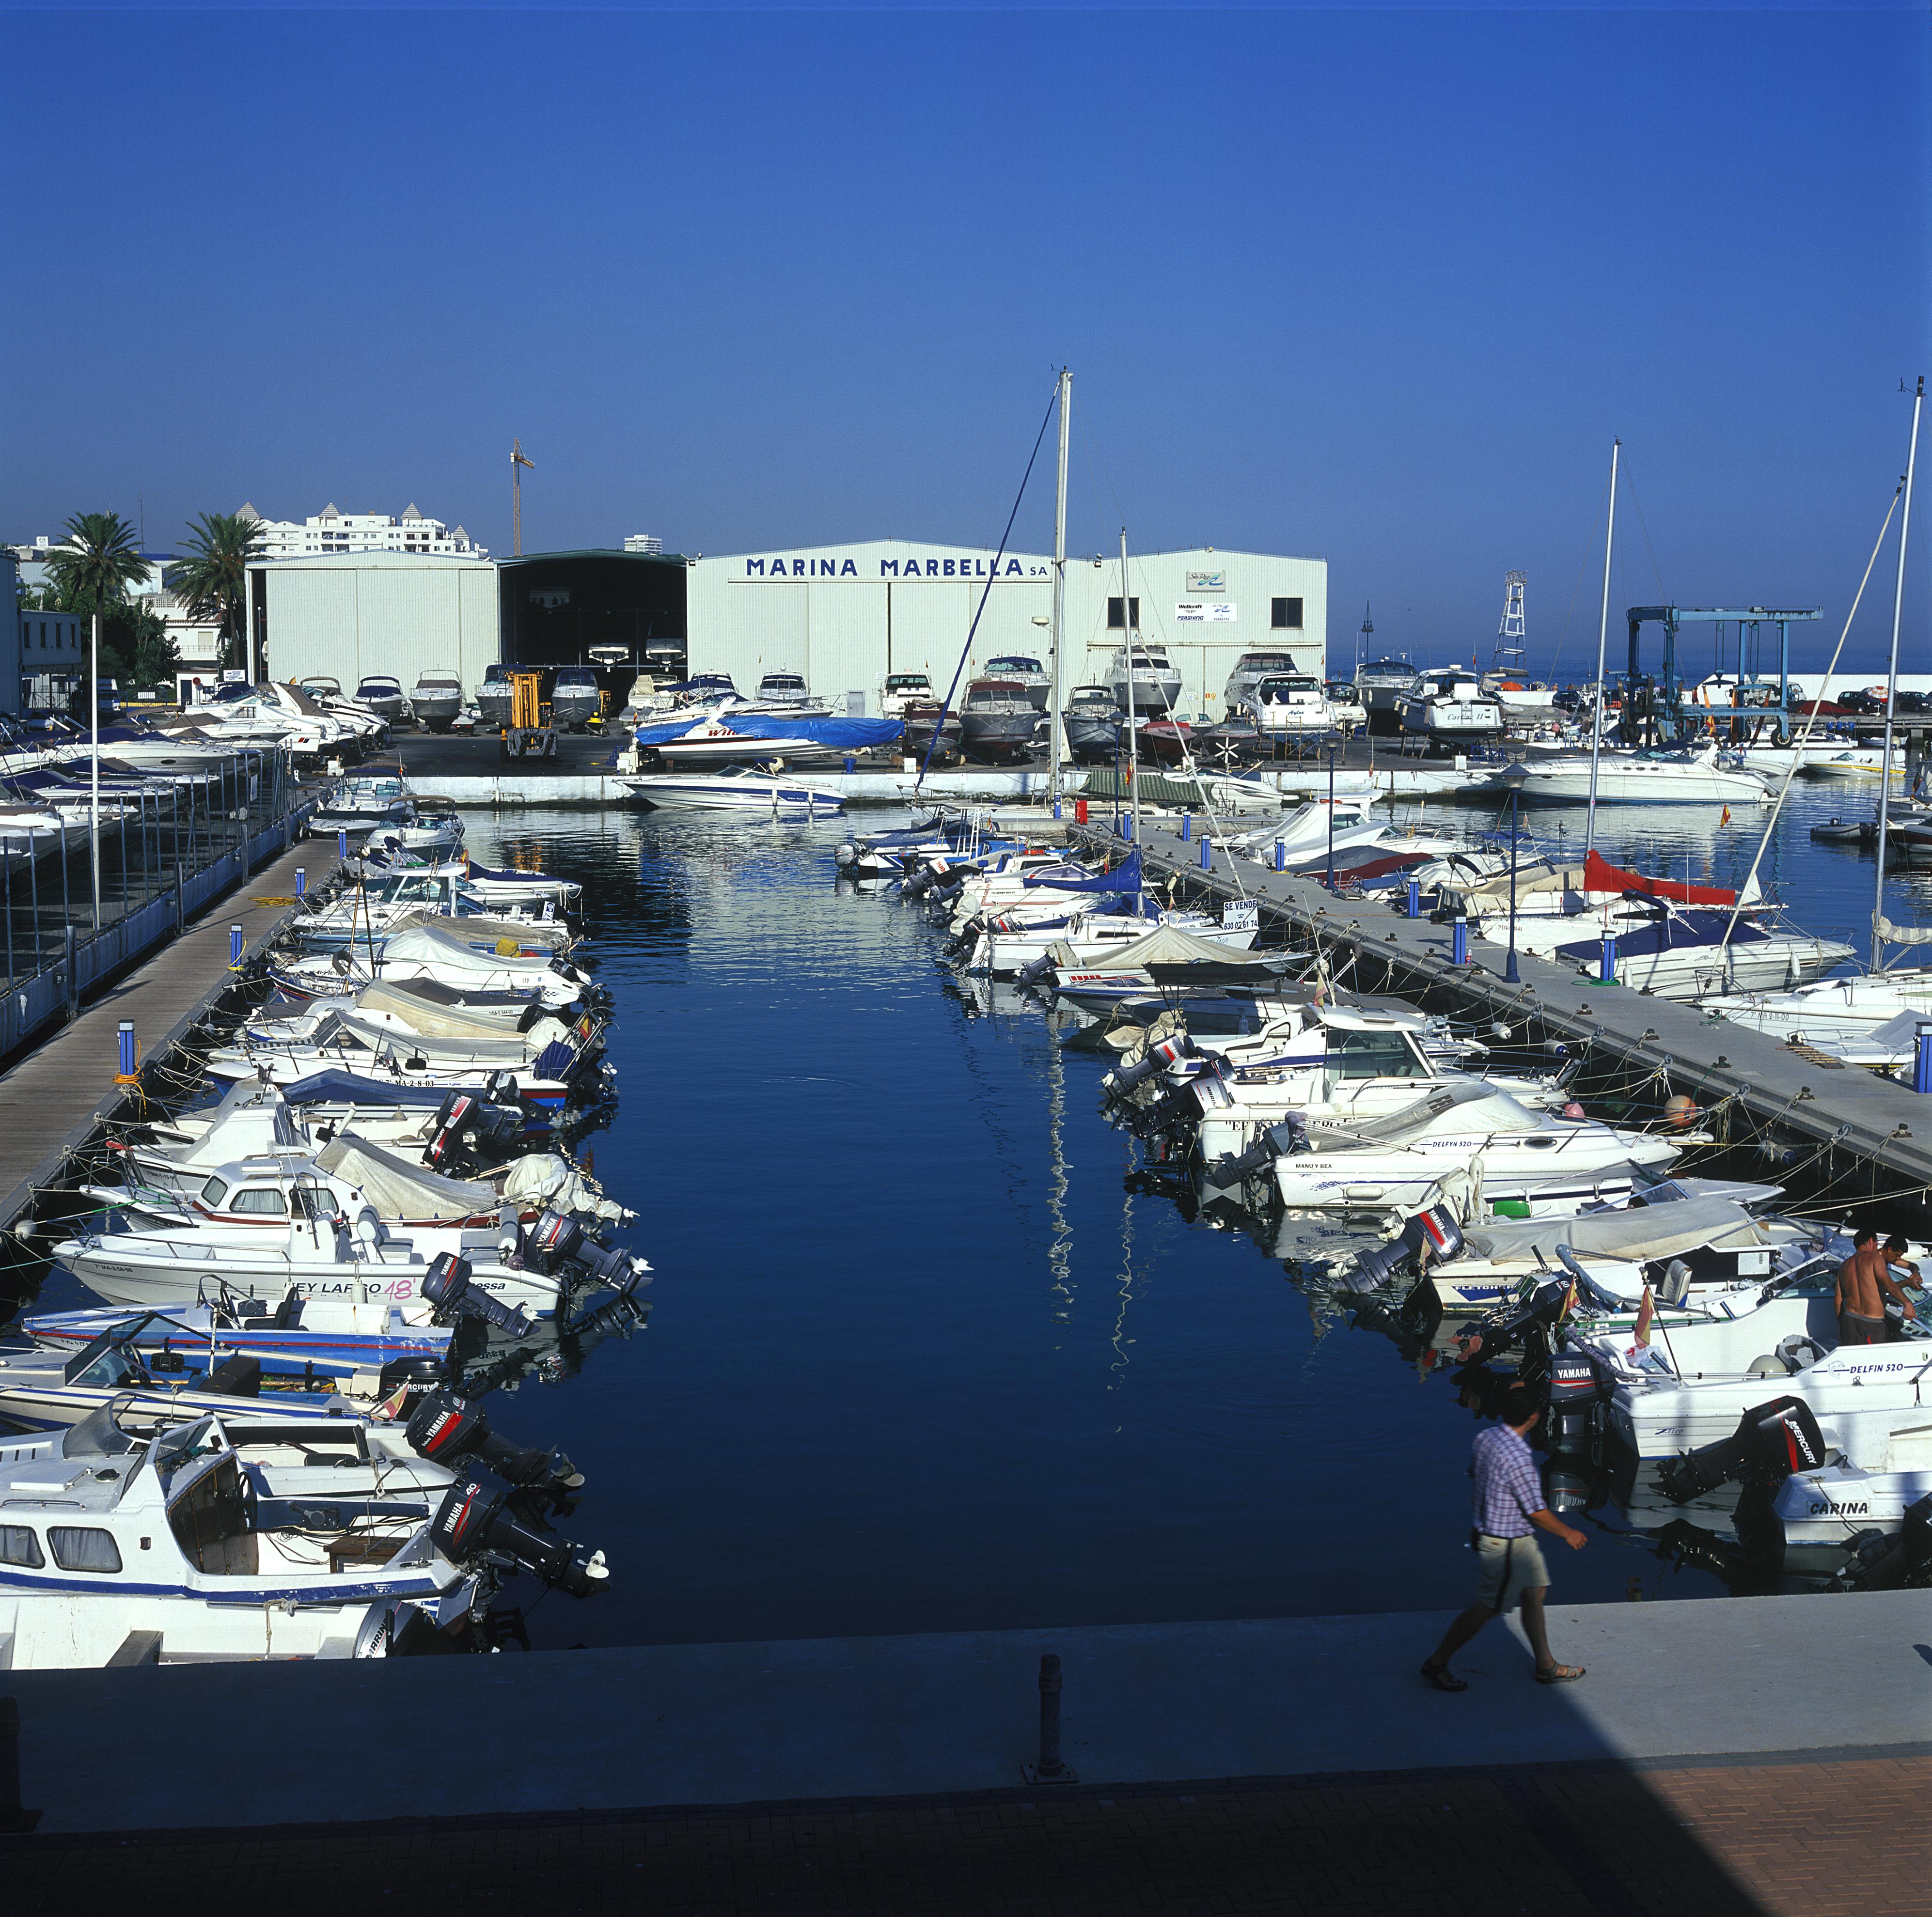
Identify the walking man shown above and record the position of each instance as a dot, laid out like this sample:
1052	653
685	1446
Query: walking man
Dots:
1863	1283
1508	1511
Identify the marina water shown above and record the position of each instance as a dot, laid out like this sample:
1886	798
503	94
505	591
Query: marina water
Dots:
921	1355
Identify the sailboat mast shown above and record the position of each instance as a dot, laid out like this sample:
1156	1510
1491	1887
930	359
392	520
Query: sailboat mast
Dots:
1133	735
1058	695
1891	680
1603	641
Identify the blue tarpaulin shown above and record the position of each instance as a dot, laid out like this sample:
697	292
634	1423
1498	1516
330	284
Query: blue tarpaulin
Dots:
348	1088
834	735
1125	877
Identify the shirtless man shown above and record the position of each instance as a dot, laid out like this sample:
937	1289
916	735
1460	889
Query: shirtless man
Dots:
1863	1282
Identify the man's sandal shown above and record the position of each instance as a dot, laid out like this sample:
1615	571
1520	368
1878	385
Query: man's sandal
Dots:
1443	1678
1560	1674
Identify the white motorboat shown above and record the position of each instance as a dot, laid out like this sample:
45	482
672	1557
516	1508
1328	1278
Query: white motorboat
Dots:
1383	685
436	698
250	1535
1157	684
1833	1009
1250	669
1448	707
1695	777
1823	1511
903	689
1290	705
1684	952
737	789
1081	938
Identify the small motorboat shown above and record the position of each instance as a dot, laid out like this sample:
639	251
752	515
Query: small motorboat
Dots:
1846	832
782	688
737	789
494	697
437	699
383	696
925	720
575	698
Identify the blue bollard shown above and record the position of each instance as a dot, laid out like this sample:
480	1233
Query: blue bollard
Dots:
1056	808
301	882
234	945
1606	971
1280	855
1206	855
342	843
851	764
1458	942
1127	826
126	1034
1921	1071
1187	827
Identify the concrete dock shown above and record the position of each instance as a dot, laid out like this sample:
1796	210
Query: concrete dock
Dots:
1867	1135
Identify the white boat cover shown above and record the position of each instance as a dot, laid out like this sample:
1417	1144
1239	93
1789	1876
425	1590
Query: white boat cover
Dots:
422	940
421	1014
1649	1231
543	1178
473	928
1165	945
507	1049
400	1189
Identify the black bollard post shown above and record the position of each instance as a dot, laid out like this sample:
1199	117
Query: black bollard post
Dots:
1050	1769
12	1819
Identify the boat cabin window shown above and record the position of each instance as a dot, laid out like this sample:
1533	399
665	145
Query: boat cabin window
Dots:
214	1192
1285	615
1266	662
210	1522
907	682
83	1547
1341	690
18	1545
1372	1055
1287	691
260	1201
1011	662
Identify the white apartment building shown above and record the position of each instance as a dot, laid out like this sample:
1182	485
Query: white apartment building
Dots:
643	542
331	531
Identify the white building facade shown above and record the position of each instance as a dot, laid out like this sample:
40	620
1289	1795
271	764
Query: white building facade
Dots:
350	615
845	616
331	531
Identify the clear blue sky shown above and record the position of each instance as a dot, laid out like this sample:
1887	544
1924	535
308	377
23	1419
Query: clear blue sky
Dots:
1378	286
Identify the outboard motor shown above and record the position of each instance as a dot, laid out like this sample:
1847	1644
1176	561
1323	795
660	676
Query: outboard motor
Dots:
1158	1057
452	1132
556	1243
1903	1563
444	1429
1772	1441
1278	1141
1435	1229
1490	1336
1580	1389
447	1286
475	1516
1032	972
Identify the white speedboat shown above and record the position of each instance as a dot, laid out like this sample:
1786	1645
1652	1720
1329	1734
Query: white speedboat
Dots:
1830	1008
1157	684
1449	707
1686	953
737	789
1035	682
437	699
1289	705
1695	777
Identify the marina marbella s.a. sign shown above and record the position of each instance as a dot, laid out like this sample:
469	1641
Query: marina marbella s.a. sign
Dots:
927	568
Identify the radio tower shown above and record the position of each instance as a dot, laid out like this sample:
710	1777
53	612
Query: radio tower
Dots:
1512	655
1367	633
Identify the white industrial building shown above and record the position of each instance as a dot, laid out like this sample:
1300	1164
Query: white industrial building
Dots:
350	615
331	531
844	616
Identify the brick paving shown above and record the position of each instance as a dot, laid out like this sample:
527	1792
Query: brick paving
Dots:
1800	1838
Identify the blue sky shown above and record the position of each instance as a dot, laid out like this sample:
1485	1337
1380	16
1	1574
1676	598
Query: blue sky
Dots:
1377	286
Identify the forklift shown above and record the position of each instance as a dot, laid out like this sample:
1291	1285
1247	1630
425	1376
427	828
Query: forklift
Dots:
530	735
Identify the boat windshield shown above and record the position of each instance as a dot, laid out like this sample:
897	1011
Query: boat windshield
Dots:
110	1359
907	682
576	676
1011	662
1373	1055
1285	691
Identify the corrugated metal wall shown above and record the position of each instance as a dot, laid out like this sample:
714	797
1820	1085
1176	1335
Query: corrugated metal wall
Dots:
373	614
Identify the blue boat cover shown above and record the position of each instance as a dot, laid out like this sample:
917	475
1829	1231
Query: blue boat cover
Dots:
1125	877
1681	930
834	735
335	1087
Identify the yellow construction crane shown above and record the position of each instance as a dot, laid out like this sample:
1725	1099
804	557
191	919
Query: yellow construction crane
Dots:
517	463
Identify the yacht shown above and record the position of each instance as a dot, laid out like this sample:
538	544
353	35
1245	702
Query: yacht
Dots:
781	688
904	689
1449	708
1093	721
998	721
1250	671
1383	685
1027	674
575	698
1625	777
737	789
1292	702
383	696
1156	688
437	699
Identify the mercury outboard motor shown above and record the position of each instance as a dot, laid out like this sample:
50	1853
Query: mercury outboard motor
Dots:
1580	1389
444	1429
1167	1051
452	1132
447	1286
1435	1228
475	1516
555	1244
1772	1441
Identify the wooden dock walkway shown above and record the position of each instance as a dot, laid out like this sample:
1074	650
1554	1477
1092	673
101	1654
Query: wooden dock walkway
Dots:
1852	1116
55	1095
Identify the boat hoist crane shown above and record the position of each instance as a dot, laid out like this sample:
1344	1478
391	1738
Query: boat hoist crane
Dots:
1659	709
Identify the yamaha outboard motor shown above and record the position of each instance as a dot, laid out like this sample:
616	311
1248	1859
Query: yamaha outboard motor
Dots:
555	1245
1772	1441
475	1516
1580	1389
452	1134
1435	1228
1034	970
451	1295
444	1429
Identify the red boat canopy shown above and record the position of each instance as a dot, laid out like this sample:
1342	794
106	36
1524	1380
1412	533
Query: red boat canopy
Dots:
1600	876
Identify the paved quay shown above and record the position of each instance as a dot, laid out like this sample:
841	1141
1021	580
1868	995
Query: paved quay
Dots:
1729	1756
1863	1125
67	1082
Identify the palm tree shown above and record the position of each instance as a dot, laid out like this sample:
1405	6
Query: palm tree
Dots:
98	563
213	582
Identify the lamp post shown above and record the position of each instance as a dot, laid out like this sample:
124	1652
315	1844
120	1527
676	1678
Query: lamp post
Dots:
1513	778
1334	752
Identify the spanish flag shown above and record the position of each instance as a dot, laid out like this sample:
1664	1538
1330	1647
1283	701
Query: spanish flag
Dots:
1726	820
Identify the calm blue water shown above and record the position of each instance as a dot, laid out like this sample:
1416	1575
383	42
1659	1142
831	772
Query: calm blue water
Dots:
919	1359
